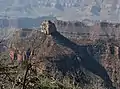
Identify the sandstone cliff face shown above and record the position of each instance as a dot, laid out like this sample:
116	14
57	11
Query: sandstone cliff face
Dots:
57	60
86	63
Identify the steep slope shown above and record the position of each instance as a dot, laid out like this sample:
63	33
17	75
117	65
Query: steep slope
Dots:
58	57
81	52
84	57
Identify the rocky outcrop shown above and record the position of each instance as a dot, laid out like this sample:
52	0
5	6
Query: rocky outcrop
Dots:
48	27
56	56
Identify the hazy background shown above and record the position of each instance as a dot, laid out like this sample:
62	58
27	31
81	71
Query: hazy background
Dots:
17	12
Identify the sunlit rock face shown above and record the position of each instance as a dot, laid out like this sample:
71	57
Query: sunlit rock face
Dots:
48	27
